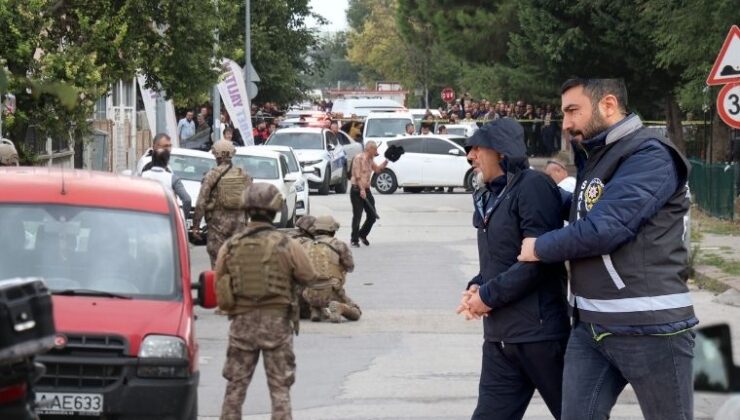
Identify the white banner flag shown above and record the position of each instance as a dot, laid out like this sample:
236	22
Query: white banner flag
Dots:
150	107
234	94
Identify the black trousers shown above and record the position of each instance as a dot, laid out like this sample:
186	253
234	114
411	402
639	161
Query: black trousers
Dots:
510	374
358	206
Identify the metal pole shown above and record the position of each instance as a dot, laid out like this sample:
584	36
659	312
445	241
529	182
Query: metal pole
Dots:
216	97
161	117
247	45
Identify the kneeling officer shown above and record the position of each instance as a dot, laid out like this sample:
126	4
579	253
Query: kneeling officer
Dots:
257	271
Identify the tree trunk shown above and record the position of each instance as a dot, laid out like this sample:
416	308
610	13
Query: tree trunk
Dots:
720	140
426	96
673	123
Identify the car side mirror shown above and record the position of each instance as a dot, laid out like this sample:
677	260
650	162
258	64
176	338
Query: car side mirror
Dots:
290	178
206	290
330	147
455	152
714	370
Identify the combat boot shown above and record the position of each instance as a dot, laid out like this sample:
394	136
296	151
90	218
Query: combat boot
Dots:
335	311
315	315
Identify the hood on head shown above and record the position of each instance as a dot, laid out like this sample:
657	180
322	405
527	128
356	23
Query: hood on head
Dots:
505	136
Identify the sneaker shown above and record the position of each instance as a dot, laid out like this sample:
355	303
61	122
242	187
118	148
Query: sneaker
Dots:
364	241
355	244
335	312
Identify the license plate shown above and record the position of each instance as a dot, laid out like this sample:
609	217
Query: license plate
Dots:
68	403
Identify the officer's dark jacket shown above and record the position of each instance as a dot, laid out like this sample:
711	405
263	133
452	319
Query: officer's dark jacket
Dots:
528	299
625	241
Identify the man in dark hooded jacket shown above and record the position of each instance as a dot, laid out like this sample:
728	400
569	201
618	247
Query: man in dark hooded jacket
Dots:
526	322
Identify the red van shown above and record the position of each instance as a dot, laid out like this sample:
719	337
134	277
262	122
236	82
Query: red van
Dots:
113	251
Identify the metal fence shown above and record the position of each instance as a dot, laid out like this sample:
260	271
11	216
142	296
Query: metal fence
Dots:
713	187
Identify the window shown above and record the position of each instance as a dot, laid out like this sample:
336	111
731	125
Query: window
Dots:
344	139
191	168
258	167
438	147
290	158
284	165
331	138
73	247
386	127
297	141
410	145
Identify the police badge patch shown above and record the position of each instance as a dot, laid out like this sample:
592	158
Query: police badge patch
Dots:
593	192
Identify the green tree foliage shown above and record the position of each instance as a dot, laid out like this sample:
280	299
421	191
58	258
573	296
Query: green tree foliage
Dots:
61	56
281	45
332	56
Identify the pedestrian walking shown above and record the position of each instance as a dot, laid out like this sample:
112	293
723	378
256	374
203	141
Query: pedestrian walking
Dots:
362	199
526	321
332	260
632	309
256	272
219	201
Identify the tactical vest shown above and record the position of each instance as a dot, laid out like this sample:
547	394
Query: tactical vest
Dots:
229	189
643	282
259	276
325	259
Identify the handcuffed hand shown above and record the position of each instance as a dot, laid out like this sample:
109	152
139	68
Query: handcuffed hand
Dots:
471	306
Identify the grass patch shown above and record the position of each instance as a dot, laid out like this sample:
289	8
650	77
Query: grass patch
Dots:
710	284
730	267
703	223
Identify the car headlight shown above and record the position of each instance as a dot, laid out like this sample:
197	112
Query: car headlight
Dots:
299	186
163	347
311	162
162	356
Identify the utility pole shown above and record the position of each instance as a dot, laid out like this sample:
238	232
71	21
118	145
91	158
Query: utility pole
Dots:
247	45
216	97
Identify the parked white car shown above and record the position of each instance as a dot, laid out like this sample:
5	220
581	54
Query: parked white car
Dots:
465	130
362	107
428	161
321	153
190	166
303	205
265	165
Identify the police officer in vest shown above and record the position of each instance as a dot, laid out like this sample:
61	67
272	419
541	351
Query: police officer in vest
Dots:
219	200
256	271
632	310
332	260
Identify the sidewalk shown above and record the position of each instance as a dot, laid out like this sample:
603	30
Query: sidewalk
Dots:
717	264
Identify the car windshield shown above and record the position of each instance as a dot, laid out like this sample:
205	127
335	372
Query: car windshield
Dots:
258	167
84	250
292	163
297	140
386	127
191	168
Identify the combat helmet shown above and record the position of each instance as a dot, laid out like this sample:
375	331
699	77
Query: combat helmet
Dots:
8	154
261	197
223	149
326	224
306	224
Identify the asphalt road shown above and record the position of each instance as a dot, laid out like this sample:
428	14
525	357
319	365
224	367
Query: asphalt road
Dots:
410	356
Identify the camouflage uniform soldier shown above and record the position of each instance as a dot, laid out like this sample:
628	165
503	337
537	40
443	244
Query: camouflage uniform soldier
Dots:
220	199
304	232
332	260
8	154
257	270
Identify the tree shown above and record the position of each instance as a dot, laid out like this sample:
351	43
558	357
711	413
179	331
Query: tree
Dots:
61	56
281	45
332	53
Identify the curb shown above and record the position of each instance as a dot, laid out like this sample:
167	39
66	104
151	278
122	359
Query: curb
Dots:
710	274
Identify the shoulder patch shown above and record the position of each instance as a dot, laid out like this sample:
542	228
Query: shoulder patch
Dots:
593	192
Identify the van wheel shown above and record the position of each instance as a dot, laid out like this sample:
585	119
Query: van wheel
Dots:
283	216
470	182
386	182
324	187
291	221
341	188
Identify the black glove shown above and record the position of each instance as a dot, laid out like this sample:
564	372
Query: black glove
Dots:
394	152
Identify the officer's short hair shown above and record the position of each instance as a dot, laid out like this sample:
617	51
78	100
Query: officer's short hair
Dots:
596	89
159	138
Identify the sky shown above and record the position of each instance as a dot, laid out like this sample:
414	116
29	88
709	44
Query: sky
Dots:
332	11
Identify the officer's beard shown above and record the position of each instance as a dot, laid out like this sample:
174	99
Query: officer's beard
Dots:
595	125
479	181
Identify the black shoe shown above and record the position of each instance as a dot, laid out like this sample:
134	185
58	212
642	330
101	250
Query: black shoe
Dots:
355	244
365	241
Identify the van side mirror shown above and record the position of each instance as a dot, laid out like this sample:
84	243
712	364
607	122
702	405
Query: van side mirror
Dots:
206	290
714	370
290	178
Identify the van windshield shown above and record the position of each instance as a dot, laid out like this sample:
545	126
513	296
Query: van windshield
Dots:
90	250
386	127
